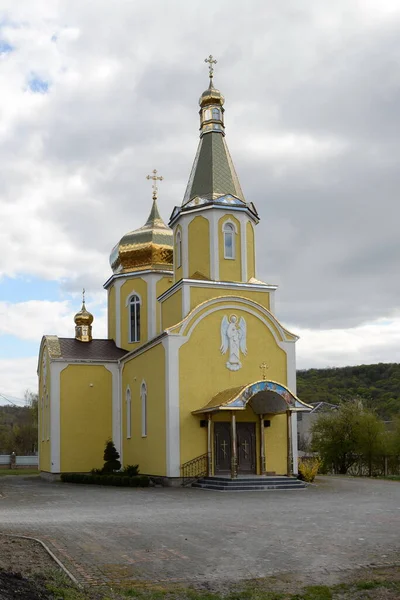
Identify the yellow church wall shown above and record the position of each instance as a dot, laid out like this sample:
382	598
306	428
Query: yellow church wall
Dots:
44	416
139	286
199	246
161	286
198	386
276	444
150	451
85	415
111	314
201	294
178	270
251	251
229	269
171	310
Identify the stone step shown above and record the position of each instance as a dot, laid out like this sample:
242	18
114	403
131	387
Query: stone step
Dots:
250	480
248	488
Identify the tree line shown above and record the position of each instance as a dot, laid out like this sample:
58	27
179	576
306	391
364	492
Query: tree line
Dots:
377	385
354	439
19	427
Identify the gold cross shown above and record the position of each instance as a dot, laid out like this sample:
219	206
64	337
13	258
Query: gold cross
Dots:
224	446
211	61
245	447
155	178
264	368
83	296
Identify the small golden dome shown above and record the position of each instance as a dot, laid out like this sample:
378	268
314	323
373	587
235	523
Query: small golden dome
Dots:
211	96
149	247
83	317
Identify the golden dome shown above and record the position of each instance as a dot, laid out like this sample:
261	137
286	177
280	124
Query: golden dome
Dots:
83	317
211	96
150	247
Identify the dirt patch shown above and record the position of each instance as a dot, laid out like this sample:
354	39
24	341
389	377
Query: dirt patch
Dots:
24	556
21	560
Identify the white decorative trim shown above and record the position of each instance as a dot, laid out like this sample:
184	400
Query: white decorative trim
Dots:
171	345
293	436
128	305
215	284
203	208
152	305
214	253
272	301
290	350
128	412
185	300
243	248
218	303
133	293
55	433
118	284
134	275
116	426
178	247
185	248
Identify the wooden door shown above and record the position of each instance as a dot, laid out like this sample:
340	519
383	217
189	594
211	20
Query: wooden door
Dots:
222	447
246	447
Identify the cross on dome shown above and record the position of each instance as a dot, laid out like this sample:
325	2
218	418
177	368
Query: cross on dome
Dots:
155	178
211	61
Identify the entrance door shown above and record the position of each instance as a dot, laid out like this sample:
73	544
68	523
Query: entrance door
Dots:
246	447
222	447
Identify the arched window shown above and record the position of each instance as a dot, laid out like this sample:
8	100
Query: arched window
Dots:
216	114
134	318
229	240
178	249
143	396
128	413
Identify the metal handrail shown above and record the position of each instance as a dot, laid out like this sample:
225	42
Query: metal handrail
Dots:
194	469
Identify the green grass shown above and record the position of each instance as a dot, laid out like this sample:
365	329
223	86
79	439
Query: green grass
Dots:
18	472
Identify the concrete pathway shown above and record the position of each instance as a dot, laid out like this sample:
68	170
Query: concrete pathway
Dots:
120	535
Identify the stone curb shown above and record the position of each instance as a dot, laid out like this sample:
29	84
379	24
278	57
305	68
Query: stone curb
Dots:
53	556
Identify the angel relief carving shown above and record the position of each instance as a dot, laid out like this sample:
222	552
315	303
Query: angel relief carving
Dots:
233	339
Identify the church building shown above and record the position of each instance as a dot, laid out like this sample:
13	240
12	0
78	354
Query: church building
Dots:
197	375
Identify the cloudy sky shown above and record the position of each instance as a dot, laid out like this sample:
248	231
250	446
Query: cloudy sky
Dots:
94	95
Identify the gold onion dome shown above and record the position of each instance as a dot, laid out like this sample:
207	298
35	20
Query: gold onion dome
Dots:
83	317
211	96
149	247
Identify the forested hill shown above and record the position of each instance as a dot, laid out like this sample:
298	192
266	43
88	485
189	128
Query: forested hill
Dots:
378	385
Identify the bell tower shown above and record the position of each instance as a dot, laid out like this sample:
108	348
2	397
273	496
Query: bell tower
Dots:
214	227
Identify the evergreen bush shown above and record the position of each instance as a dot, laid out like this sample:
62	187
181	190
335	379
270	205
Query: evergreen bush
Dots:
130	471
111	458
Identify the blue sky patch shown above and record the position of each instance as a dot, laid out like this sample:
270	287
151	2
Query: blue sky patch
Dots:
38	85
13	347
5	47
22	289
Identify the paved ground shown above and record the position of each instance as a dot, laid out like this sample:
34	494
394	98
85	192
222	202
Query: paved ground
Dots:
108	535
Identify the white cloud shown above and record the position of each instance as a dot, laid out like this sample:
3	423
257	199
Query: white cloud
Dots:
372	342
32	319
18	375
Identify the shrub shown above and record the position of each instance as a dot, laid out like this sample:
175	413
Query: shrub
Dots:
144	481
116	480
111	458
308	468
130	471
96	471
134	481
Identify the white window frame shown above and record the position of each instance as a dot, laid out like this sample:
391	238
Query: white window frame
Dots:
143	397
229	228
129	304
178	246
128	398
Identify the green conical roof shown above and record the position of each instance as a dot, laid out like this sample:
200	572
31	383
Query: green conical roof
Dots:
213	174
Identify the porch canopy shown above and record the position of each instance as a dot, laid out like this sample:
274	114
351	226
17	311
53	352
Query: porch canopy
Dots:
264	397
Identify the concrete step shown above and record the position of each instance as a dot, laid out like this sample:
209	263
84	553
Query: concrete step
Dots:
226	484
259	488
